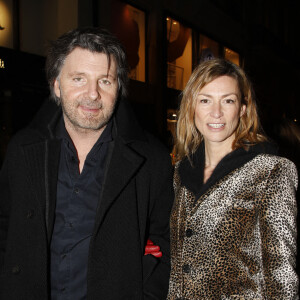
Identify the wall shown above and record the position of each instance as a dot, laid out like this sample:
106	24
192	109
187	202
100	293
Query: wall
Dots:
54	17
31	26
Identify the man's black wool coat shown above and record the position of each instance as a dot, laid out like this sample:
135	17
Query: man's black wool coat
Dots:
134	206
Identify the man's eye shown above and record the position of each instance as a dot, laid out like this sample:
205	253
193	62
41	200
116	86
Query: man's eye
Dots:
105	82
77	79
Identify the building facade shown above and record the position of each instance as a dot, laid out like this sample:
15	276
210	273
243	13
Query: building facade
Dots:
164	40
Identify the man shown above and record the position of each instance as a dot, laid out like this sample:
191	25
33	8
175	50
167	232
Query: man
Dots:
83	188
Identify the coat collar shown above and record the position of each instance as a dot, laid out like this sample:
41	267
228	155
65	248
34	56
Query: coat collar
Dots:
123	163
191	171
43	156
126	124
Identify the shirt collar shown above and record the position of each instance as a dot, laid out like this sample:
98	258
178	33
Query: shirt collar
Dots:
105	137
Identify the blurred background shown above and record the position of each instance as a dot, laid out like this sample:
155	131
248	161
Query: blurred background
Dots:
164	40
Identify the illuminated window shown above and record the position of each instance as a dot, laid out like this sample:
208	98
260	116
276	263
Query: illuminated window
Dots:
2	66
6	24
208	48
129	26
179	56
232	56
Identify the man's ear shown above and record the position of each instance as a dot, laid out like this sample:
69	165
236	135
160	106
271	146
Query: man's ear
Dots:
56	88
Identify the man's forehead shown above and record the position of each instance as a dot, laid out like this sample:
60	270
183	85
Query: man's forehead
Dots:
80	57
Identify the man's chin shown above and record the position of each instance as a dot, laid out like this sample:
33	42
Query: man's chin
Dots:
90	125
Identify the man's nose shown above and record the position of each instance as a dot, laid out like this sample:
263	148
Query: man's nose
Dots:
93	90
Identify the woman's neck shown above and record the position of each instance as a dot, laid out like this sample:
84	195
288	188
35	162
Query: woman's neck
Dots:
213	155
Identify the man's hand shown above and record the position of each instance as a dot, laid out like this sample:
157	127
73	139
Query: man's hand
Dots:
152	249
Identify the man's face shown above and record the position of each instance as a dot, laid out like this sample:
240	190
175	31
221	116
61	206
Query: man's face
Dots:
88	89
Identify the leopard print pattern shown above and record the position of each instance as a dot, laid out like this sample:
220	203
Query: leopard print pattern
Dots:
238	240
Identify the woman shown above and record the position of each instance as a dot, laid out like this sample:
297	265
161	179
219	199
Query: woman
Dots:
233	224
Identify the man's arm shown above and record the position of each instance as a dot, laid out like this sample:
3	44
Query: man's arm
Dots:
157	270
152	249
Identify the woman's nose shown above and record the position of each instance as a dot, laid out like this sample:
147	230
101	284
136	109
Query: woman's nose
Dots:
216	111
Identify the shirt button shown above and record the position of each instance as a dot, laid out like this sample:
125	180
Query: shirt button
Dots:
16	270
186	268
30	214
76	190
189	232
68	225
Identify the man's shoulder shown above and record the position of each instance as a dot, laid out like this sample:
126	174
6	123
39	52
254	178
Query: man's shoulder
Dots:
152	142
37	130
25	136
132	133
152	149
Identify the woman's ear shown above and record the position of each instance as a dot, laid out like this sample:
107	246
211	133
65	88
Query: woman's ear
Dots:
243	109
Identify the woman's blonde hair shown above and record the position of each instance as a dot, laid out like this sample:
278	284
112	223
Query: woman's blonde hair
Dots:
248	132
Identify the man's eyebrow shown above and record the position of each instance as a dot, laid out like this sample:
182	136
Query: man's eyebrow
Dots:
109	75
76	73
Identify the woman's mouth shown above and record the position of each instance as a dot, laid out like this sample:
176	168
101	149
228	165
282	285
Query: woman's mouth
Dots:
216	125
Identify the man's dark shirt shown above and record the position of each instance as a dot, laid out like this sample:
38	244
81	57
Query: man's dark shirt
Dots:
77	199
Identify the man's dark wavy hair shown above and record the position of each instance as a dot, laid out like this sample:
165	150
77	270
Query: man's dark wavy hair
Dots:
92	39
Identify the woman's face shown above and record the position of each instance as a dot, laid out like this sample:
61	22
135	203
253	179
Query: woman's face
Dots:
218	111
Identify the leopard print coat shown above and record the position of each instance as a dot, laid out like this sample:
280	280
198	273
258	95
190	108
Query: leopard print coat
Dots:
238	239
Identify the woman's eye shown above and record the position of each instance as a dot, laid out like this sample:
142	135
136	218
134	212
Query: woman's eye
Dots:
204	101
229	101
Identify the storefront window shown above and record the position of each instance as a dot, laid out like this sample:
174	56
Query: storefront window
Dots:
208	48
232	56
179	56
129	26
6	24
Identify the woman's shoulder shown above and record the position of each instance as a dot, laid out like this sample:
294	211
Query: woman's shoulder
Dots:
271	160
274	164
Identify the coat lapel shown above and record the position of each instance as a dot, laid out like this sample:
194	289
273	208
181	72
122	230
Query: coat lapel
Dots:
42	164
52	164
124	164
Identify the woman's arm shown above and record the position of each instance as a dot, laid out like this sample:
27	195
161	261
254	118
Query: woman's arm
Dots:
278	230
